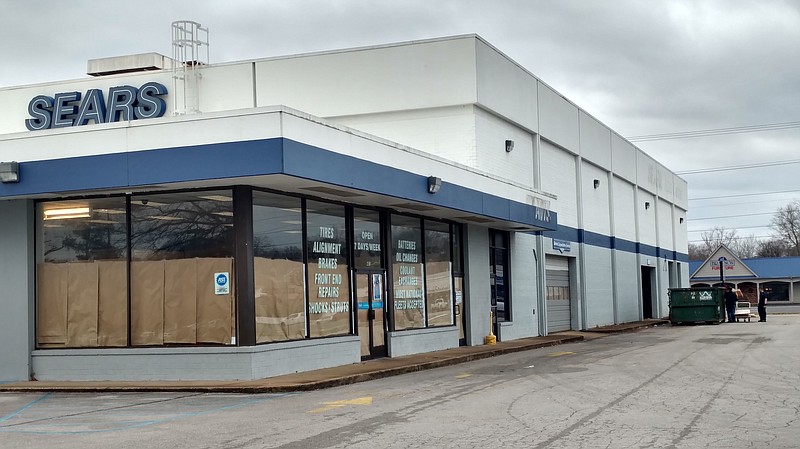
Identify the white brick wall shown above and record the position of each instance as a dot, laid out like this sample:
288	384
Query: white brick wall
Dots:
595	141
558	177
596	207
624	210
647	217
558	119
491	133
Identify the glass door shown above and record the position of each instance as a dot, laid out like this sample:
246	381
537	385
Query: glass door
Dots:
371	317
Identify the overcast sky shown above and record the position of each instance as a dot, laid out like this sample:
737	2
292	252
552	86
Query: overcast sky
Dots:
641	67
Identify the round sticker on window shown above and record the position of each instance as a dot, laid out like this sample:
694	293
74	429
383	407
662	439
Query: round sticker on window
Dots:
221	284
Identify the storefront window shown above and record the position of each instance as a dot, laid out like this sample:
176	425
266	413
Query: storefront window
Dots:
328	274
407	291
278	268
458	251
438	274
367	238
182	268
498	275
81	275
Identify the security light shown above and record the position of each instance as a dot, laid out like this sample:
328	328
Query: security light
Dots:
434	184
9	172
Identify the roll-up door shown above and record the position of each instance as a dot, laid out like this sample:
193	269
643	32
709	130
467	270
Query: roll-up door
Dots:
558	294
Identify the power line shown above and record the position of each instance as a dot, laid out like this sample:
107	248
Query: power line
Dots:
738	238
741	203
742	194
714	132
732	216
736	167
737	228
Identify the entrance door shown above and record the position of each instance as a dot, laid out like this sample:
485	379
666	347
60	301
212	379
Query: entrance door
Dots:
370	300
648	273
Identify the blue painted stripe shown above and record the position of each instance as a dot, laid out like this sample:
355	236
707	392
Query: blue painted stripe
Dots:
624	245
604	241
595	239
647	250
25	407
563	233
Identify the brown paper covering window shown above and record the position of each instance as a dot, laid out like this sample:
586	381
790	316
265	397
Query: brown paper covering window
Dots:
147	302
112	313
280	300
51	306
214	312
84	304
180	301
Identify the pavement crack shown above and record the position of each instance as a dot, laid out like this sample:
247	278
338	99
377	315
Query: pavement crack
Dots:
547	443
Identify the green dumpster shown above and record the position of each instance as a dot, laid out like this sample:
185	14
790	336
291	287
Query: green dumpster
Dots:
696	305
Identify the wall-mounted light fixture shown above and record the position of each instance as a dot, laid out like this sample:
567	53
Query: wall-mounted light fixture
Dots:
647	204
509	146
434	184
596	183
9	172
681	220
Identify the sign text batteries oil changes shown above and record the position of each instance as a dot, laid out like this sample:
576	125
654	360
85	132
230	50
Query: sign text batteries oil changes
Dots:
123	103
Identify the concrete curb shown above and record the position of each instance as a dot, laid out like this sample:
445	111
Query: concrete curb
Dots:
330	377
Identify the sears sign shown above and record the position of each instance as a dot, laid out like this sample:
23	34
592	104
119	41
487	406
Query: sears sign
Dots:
123	103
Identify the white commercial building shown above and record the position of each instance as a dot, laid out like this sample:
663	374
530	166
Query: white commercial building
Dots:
172	219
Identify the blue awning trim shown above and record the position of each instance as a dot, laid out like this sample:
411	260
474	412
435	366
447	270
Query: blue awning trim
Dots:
259	158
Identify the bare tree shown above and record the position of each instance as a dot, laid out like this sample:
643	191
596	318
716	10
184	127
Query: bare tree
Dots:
786	224
698	252
771	248
717	236
746	247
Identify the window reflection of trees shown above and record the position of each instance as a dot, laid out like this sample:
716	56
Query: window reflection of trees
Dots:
277	227
101	236
165	227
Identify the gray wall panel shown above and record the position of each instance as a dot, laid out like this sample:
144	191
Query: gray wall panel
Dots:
598	286
476	285
627	287
16	296
524	298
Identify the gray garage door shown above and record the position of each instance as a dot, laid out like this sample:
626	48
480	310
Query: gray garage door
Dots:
558	294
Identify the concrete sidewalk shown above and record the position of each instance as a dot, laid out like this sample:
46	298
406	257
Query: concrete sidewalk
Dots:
340	375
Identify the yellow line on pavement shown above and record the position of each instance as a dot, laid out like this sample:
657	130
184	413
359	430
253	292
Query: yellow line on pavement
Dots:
559	354
366	400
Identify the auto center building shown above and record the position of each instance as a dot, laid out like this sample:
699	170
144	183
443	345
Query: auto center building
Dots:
170	219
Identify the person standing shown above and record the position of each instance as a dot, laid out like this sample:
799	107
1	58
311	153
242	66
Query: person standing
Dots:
730	303
762	306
